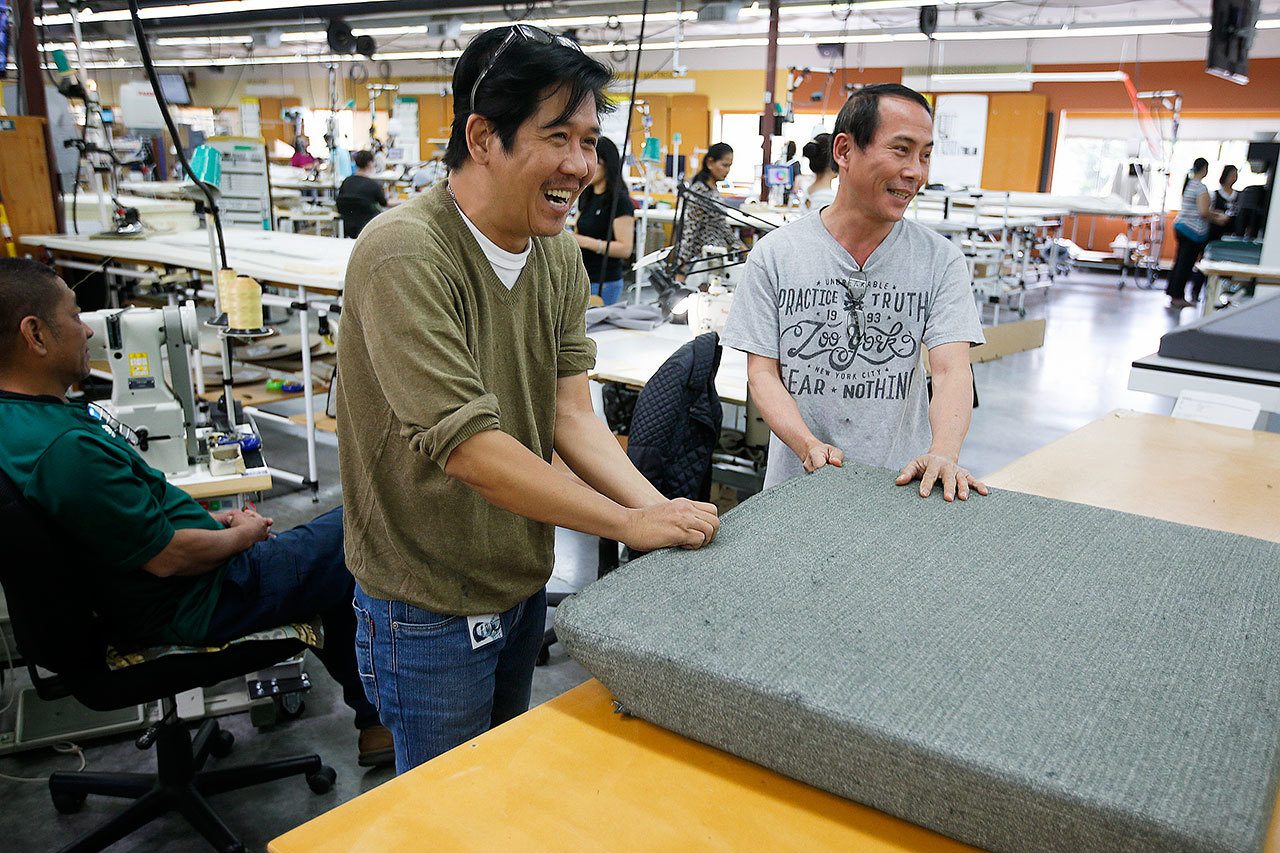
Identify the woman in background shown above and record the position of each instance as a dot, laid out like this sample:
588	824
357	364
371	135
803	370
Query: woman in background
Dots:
302	158
606	221
1223	200
1191	229
818	152
703	227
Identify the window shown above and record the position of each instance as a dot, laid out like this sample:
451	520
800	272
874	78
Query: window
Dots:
1092	151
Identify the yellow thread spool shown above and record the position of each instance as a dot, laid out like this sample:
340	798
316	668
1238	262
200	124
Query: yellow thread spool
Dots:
226	278
243	303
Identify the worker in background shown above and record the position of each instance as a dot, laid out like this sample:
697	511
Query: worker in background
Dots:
302	158
834	309
464	365
606	220
707	227
1191	230
1223	201
820	191
160	569
360	198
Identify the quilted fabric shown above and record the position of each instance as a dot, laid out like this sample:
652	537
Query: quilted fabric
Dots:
1018	673
677	421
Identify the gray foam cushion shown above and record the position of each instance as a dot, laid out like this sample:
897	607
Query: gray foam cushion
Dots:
1017	673
1247	336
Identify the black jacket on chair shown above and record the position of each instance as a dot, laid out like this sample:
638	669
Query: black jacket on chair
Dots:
677	421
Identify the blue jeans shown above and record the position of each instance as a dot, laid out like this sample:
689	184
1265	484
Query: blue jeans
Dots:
293	577
432	689
610	291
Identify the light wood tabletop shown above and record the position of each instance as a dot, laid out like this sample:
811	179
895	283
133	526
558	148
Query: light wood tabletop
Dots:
573	775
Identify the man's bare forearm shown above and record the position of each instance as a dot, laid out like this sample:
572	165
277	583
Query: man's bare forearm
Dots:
196	551
592	452
510	476
951	410
777	406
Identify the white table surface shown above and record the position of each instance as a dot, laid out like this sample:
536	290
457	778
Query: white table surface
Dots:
632	357
272	257
1169	377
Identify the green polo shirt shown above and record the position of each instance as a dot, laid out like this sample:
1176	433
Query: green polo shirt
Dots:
115	509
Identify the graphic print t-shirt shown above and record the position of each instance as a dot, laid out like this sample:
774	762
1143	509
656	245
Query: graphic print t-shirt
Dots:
848	339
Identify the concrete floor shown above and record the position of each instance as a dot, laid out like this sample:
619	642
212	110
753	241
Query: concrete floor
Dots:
1026	400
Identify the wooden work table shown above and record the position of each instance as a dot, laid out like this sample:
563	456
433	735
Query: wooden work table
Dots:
573	775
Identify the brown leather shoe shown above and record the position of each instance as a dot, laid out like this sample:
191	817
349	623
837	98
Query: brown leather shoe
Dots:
376	747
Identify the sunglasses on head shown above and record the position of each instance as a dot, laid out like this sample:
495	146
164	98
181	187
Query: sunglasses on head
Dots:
523	32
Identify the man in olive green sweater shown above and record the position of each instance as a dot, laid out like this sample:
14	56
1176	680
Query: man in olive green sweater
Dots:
464	357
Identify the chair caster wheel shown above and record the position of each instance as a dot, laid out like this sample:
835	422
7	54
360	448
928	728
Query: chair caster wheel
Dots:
322	780
221	745
68	803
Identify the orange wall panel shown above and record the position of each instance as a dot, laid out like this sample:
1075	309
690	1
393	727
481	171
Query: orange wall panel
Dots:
1015	142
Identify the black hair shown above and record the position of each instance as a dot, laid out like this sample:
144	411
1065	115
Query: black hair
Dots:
611	162
1198	165
818	152
27	289
525	74
860	115
791	149
1228	171
718	151
362	159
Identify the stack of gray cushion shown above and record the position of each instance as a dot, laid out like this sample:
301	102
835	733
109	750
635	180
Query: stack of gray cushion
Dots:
1247	336
1017	673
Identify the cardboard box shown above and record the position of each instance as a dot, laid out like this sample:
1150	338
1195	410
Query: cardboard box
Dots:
1004	339
1008	338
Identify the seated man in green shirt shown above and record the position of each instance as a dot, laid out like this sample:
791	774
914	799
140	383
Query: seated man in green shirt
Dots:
160	568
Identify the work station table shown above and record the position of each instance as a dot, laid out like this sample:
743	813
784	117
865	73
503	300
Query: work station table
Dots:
309	266
1235	351
573	774
1216	272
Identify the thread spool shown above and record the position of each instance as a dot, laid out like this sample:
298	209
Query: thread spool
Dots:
243	303
226	278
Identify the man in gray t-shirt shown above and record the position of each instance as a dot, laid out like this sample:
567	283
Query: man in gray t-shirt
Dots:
834	309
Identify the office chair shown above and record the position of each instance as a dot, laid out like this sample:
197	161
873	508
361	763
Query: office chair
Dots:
58	632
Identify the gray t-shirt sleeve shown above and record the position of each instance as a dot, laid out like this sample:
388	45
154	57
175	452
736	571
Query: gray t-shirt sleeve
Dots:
953	315
753	317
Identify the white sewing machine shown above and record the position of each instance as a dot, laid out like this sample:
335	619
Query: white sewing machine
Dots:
157	406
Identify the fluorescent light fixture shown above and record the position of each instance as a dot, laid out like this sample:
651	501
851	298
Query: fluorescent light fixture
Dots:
203	41
194	10
100	44
1075	32
317	36
1032	77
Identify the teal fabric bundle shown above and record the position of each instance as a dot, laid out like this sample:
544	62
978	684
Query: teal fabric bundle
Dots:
1018	673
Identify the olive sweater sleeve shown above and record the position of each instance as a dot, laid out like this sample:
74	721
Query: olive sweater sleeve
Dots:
433	385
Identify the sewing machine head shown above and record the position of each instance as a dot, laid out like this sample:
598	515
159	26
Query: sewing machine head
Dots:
157	406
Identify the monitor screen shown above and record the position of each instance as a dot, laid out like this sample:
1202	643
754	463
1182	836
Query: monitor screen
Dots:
174	89
777	175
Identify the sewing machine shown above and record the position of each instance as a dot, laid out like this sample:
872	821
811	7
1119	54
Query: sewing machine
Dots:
158	408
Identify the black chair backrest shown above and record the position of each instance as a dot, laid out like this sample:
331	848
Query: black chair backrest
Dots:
53	620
